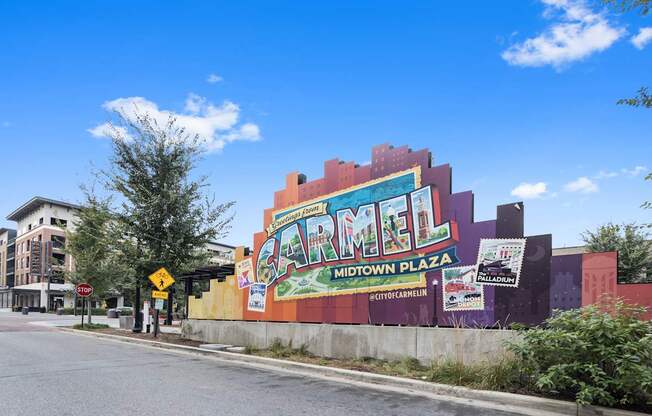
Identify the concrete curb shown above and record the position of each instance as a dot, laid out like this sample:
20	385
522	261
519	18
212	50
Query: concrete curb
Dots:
521	404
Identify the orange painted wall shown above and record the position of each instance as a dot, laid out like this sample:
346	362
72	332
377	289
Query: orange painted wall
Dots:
598	276
637	294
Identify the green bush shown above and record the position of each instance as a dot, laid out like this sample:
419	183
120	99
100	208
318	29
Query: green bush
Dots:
90	327
599	355
94	311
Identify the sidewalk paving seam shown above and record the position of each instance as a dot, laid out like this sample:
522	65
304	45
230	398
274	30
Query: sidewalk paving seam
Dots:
509	402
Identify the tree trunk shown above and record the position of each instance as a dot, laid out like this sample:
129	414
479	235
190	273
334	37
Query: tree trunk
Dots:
90	313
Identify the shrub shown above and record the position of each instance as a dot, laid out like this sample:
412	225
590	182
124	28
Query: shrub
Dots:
600	354
94	311
90	327
501	375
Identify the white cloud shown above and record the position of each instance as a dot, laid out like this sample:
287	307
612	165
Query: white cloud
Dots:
643	38
582	185
575	34
109	130
530	190
215	125
635	171
214	79
605	174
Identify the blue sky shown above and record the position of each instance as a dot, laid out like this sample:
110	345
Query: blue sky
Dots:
518	96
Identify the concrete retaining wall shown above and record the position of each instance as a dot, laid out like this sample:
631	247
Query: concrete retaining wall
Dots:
357	341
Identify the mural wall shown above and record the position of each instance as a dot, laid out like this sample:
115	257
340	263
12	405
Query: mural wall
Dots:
388	243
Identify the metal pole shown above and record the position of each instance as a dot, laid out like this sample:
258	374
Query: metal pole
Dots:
156	323
138	318
48	266
82	313
187	296
89	306
168	318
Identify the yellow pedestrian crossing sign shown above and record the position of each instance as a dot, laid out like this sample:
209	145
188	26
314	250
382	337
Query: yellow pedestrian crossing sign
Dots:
162	279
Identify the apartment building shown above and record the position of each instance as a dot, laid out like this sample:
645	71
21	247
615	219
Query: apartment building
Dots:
40	260
33	261
220	253
7	248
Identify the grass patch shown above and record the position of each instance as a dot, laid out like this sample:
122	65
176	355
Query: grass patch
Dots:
91	327
502	375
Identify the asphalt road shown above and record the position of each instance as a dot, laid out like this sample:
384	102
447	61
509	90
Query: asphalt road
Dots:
46	372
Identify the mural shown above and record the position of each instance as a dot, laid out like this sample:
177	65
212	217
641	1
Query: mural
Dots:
333	245
389	243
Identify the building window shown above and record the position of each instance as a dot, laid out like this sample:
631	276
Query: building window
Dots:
58	241
58	259
58	222
40	220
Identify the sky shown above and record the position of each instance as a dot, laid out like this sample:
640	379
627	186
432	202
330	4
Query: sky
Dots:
519	97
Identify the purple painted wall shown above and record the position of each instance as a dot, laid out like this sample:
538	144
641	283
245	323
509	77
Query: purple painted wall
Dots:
530	302
566	282
461	210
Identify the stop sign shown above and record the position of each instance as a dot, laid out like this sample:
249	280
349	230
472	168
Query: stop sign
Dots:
84	290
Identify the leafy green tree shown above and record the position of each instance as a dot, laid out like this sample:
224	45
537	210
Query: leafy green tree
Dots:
642	6
164	214
91	242
631	242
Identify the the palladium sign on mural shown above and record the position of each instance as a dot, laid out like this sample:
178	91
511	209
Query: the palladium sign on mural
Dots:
380	235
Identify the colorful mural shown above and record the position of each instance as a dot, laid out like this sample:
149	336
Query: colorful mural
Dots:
334	245
388	243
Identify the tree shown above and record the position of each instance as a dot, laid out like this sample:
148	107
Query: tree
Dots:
643	6
164	214
634	248
91	243
642	99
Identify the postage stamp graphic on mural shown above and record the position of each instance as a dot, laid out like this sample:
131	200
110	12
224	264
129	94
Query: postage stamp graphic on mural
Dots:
257	294
244	270
460	292
500	261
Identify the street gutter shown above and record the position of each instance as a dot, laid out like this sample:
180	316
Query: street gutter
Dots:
507	402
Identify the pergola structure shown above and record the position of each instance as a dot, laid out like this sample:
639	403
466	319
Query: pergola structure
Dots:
219	272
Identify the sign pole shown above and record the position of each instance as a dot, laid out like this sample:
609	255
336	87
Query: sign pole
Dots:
82	314
156	324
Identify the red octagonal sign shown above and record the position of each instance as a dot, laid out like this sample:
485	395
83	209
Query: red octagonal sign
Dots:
84	290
